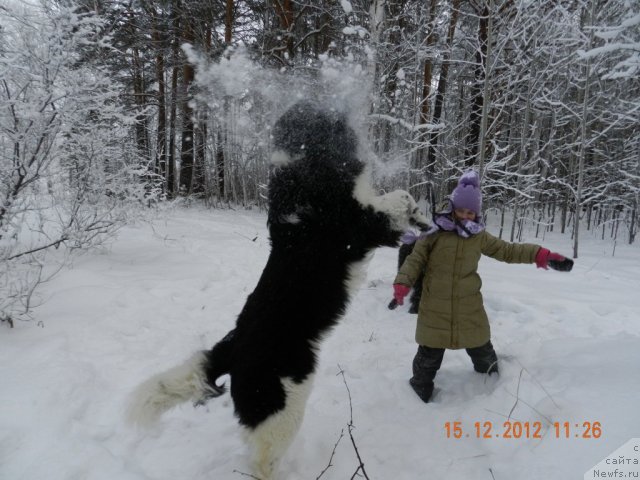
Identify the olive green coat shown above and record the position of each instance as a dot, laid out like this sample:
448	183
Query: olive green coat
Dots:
451	313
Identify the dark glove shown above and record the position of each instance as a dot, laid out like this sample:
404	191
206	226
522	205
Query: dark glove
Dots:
546	259
564	265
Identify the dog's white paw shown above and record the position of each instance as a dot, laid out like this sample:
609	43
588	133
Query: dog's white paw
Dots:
402	209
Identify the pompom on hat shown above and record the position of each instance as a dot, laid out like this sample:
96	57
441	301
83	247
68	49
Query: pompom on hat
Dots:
468	193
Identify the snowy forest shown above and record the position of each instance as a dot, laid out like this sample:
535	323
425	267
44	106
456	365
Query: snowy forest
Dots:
108	108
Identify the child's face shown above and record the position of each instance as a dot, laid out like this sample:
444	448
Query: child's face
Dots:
464	214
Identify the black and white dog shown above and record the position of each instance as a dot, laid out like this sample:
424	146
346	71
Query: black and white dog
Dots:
324	222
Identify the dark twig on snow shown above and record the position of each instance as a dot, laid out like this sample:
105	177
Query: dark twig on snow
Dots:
330	464
539	384
549	421
517	395
248	238
246	475
350	428
518	399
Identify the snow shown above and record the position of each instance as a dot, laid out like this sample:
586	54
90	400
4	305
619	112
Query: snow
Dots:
346	6
568	345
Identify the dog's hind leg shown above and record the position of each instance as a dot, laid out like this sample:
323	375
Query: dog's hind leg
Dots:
169	389
270	439
194	380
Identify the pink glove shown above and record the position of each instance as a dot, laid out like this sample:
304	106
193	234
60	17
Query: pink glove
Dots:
399	292
543	256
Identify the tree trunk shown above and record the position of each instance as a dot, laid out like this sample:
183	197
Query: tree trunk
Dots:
171	168
139	98
187	151
486	94
428	64
477	104
284	11
161	139
521	157
634	211
228	22
442	83
220	165
220	137
421	163
198	183
634	221
583	140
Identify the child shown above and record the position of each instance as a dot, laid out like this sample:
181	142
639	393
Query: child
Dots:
451	313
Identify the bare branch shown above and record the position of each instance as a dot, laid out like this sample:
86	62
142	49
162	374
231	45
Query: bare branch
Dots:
350	428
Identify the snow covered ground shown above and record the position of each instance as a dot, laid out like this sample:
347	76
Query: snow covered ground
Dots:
569	346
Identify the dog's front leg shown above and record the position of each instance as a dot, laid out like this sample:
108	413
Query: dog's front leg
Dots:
401	208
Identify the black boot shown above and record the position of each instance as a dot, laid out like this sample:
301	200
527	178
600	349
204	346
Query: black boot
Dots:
425	366
484	358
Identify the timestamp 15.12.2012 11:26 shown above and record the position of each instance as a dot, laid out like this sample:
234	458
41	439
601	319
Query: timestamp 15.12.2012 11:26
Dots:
511	429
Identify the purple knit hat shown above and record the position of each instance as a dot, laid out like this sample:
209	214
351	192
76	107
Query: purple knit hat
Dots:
468	193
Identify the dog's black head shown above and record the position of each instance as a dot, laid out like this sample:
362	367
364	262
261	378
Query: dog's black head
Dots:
308	130
316	159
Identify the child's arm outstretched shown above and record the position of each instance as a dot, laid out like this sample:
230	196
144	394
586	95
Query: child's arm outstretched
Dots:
524	253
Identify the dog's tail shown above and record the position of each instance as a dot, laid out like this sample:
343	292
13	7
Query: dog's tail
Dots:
194	380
